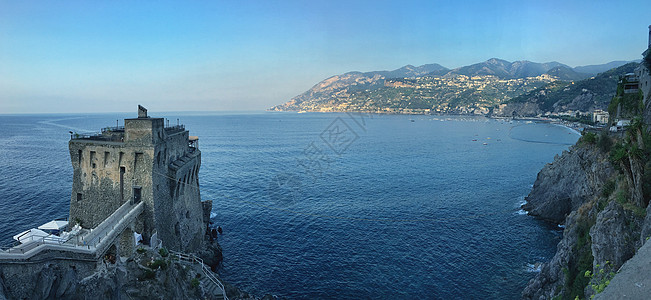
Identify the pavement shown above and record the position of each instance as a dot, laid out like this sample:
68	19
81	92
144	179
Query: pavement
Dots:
633	281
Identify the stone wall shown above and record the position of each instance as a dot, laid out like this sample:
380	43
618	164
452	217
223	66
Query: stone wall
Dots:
149	157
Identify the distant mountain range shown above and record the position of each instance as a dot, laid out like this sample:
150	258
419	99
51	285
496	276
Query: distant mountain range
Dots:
595	69
432	88
560	96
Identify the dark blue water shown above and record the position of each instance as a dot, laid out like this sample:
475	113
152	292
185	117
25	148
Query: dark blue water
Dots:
333	205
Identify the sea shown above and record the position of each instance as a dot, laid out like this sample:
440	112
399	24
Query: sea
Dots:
333	205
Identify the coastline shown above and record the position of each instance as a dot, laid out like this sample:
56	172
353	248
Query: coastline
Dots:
575	127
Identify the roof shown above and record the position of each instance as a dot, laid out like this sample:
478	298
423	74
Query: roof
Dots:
54	225
193	138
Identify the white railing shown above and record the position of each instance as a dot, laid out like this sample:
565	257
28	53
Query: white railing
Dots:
93	243
191	258
118	215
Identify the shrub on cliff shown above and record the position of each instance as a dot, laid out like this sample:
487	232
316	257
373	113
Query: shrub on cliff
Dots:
605	143
589	138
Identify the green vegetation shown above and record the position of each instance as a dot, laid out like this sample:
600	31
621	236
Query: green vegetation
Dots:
575	281
563	92
163	252
629	104
159	263
605	143
608	188
194	282
601	278
439	93
147	275
589	138
141	250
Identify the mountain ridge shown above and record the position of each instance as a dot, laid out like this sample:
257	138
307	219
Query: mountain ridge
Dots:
432	88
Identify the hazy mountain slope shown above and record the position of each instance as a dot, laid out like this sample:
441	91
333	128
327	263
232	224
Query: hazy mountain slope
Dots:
471	89
584	95
410	71
506	70
596	69
567	73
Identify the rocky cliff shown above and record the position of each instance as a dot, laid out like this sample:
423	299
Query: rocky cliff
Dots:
591	189
568	182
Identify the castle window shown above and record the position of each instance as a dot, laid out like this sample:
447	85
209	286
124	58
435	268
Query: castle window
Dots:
136	194
79	197
79	156
92	159
106	158
137	161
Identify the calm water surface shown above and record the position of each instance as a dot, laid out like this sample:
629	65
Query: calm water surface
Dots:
334	205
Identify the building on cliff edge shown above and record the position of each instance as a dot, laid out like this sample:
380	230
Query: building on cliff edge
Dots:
147	161
642	73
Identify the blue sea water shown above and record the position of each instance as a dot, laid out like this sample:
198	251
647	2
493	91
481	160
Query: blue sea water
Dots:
334	205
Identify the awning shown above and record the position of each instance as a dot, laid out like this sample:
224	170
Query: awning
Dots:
54	225
29	235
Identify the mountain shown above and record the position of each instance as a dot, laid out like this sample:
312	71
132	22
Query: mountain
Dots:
408	90
566	73
596	69
506	88
506	70
584	95
410	71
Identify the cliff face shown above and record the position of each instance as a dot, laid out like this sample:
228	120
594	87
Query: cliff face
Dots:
603	226
565	184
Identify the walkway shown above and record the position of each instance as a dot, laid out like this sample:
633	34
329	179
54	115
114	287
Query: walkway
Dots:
94	242
211	283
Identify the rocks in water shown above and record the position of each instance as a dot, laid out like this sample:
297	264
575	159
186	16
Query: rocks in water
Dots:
555	275
211	254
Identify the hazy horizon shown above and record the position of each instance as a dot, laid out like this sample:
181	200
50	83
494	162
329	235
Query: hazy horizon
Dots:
77	57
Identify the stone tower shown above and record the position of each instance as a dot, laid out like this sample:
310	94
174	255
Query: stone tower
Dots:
142	161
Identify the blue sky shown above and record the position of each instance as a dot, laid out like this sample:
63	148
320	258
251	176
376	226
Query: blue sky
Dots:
92	56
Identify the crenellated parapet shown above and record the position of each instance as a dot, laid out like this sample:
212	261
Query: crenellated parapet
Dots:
147	161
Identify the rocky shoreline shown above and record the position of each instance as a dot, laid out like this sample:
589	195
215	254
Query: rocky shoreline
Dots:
583	190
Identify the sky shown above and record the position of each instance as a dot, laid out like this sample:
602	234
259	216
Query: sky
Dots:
109	56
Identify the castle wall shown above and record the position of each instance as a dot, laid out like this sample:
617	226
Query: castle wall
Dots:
155	159
179	213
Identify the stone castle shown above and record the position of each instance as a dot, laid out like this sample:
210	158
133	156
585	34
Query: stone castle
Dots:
142	161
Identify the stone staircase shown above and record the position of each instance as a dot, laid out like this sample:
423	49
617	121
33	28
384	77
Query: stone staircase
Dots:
209	281
211	288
